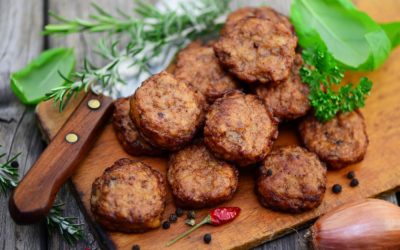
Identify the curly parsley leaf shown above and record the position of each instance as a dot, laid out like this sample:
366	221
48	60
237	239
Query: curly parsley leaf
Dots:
321	72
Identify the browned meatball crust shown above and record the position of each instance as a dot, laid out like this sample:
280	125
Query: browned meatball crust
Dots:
198	66
291	179
260	12
239	128
289	99
198	179
340	141
257	50
129	197
167	112
127	133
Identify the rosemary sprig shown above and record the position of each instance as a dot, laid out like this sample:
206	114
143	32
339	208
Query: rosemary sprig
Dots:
66	227
69	230
8	173
322	73
155	35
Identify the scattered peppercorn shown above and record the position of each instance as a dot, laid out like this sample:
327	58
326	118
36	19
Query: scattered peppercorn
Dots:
173	218
14	164
191	214
135	247
354	182
336	188
207	238
165	225
179	212
351	175
269	172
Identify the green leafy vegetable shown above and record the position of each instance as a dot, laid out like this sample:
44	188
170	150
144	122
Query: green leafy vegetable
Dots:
393	32
65	226
351	36
322	73
32	83
8	173
154	34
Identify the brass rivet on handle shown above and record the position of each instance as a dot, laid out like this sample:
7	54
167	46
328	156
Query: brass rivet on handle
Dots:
94	104
71	138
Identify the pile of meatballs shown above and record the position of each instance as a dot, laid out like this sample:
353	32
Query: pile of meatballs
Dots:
217	112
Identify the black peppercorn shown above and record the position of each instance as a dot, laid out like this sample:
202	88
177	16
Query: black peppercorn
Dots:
173	218
350	175
14	164
354	182
207	238
135	247
165	225
179	212
191	214
269	172
336	188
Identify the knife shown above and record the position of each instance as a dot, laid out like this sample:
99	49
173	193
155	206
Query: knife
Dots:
33	198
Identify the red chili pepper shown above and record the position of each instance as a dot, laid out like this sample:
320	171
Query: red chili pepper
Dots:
222	215
216	217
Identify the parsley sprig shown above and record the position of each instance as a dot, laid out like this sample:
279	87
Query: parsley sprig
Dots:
154	37
322	73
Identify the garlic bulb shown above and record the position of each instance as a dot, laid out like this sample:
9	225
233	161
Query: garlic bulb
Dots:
366	224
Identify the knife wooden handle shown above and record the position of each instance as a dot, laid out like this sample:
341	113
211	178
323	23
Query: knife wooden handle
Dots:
33	198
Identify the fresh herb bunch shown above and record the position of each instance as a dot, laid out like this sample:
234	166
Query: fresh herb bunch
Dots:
155	35
321	72
8	173
68	229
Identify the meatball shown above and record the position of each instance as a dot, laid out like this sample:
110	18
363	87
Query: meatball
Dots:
198	66
257	50
339	142
291	179
127	133
166	111
289	99
129	197
239	128
260	12
198	179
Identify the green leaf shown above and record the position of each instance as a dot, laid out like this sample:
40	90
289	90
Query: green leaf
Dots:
41	75
351	36
393	32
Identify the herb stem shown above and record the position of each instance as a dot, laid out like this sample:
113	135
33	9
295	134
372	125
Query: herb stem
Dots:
206	220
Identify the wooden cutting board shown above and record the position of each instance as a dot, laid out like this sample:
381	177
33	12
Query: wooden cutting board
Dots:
378	173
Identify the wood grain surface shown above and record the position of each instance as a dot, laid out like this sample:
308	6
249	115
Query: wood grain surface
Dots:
378	173
20	26
19	44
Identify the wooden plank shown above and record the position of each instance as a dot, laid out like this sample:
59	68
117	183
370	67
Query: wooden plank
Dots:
281	246
20	26
83	45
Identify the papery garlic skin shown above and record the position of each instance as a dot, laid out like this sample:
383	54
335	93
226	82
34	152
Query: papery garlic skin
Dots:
367	224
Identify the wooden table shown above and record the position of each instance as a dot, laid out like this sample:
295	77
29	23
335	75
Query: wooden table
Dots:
21	23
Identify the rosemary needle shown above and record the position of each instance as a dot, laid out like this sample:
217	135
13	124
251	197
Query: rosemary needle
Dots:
8	173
